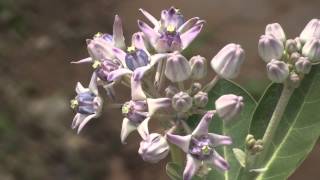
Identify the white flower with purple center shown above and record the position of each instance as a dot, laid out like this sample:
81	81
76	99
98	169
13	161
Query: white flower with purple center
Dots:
171	32
87	104
200	147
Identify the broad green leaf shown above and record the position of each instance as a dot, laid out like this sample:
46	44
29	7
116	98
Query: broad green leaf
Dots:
298	130
240	156
236	129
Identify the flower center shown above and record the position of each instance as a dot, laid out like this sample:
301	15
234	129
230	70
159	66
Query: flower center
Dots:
201	147
84	103
135	111
136	58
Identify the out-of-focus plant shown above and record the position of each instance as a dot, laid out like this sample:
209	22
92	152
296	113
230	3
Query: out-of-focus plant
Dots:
245	140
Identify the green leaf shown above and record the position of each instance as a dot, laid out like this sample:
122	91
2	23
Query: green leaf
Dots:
236	129
298	130
240	156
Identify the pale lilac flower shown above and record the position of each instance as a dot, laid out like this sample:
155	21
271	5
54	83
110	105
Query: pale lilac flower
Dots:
154	148
177	68
198	66
276	31
303	65
200	147
87	104
311	49
182	102
270	48
171	33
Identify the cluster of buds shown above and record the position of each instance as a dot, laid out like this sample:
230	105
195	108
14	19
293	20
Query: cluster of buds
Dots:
253	146
290	59
154	59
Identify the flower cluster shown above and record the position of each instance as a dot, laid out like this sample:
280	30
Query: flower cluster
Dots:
164	85
290	59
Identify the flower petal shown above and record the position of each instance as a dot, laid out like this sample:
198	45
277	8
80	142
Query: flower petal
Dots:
219	162
219	140
143	129
136	89
84	121
93	84
120	54
139	72
118	38
203	125
188	36
157	57
80	88
192	166
127	128
138	42
151	34
116	74
181	141
151	18
156	104
188	24
85	60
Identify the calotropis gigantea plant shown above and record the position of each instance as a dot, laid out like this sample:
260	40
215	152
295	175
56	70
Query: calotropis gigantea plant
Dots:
223	132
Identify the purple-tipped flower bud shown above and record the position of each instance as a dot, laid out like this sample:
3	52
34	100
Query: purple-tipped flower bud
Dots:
181	102
291	46
311	31
276	31
270	48
278	71
228	61
229	106
312	50
303	65
177	68
154	148
198	67
294	57
201	99
171	91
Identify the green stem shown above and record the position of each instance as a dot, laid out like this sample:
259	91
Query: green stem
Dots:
211	84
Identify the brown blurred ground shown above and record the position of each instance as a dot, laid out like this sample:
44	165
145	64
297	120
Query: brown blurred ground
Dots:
38	39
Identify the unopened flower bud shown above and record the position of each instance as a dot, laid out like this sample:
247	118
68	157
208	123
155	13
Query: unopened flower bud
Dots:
278	71
181	102
299	43
270	48
201	99
228	61
171	91
154	148
229	106
312	50
311	31
276	31
303	65
198	67
291	46
195	88
294	57
177	68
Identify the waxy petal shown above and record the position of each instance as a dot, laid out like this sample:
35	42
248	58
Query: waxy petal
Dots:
192	166
93	84
127	128
157	57
219	162
151	18
84	121
188	36
116	74
181	141
120	54
188	24
138	42
80	88
85	60
118	38
219	140
156	104
143	129
151	34
202	128
136	90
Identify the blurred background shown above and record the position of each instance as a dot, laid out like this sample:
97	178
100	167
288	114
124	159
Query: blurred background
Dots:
39	38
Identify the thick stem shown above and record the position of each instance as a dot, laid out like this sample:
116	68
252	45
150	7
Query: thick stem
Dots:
211	84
